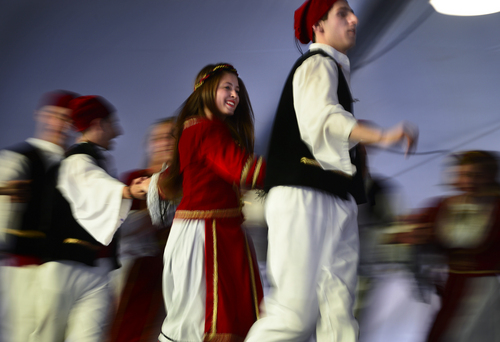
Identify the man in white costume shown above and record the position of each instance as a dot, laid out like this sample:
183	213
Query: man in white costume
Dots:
89	205
22	234
314	181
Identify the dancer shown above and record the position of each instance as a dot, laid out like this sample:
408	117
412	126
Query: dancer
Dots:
314	181
89	205
137	284
211	283
466	227
24	169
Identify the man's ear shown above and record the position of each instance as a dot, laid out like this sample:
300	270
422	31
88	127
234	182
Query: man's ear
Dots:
318	27
38	113
96	124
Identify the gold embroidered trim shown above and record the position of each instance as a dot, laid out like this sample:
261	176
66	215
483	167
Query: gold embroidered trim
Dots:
216	283
191	122
313	162
246	169
82	242
256	172
207	214
308	161
252	279
474	272
223	338
24	233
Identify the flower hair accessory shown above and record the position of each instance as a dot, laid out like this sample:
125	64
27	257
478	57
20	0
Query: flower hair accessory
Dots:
218	67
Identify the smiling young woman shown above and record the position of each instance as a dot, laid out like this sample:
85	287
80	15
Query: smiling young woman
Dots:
211	283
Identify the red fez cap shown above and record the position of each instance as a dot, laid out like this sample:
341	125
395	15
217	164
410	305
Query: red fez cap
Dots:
87	108
58	98
307	15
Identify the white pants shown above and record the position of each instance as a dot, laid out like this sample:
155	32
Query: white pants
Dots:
73	302
312	263
17	291
394	310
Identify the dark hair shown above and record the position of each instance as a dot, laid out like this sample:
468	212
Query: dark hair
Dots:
170	119
241	123
323	18
486	161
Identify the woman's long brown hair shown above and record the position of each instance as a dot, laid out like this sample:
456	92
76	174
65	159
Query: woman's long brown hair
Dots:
241	123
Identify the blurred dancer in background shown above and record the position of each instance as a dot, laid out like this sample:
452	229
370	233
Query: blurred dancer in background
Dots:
23	225
88	206
137	284
467	228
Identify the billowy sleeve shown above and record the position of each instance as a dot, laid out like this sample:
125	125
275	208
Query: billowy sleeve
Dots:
161	210
231	161
324	124
94	196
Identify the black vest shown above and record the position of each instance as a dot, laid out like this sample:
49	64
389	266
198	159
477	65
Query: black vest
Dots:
290	162
68	240
29	237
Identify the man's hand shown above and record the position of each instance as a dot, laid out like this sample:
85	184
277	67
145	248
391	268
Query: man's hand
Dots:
368	133
139	187
402	133
18	190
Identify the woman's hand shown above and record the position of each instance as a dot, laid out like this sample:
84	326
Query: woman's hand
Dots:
138	189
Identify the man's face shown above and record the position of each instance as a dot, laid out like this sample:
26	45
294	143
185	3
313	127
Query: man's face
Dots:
110	129
470	179
162	143
53	124
339	29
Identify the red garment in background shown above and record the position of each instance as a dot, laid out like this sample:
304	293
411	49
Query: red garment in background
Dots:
464	264
140	311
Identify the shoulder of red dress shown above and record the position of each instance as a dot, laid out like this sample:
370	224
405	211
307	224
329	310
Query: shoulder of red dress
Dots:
203	123
194	121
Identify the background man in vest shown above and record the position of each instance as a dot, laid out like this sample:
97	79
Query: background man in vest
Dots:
89	205
22	234
314	180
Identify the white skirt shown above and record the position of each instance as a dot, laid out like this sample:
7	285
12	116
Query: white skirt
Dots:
184	289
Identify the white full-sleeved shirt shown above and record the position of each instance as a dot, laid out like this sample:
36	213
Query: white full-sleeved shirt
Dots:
94	196
324	124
